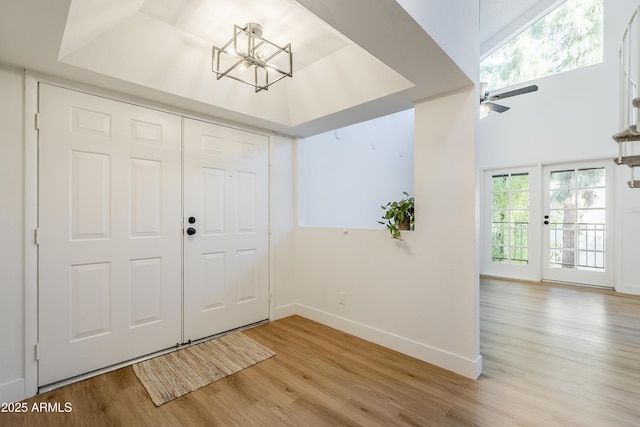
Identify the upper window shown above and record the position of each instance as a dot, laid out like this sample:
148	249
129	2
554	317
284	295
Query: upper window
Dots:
567	38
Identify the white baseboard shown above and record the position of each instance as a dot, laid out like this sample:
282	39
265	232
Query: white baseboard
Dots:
285	311
628	288
444	359
12	391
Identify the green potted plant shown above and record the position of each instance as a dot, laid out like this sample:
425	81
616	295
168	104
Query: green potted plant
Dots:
399	215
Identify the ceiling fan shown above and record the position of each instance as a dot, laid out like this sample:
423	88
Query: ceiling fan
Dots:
485	100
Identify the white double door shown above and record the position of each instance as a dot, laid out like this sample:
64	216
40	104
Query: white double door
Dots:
555	227
120	275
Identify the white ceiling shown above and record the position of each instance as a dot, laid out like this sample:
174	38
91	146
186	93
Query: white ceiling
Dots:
346	68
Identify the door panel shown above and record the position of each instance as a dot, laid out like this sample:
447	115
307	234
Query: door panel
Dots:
578	224
510	212
110	232
226	261
113	239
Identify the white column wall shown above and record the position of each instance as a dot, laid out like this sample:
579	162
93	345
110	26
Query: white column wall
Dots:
282	226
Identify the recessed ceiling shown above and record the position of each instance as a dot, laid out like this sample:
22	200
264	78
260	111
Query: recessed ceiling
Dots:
161	50
282	20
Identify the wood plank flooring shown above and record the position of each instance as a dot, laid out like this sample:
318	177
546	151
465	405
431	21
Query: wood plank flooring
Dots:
552	356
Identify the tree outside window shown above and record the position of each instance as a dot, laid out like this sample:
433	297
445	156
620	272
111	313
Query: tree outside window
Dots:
510	219
569	37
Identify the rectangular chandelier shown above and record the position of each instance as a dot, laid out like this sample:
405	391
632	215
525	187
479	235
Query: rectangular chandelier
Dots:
251	59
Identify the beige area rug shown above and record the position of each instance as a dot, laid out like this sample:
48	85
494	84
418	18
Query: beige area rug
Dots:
175	374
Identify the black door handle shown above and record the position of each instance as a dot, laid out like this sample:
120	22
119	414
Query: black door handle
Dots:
546	222
191	231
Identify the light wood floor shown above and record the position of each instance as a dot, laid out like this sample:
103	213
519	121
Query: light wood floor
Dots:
553	355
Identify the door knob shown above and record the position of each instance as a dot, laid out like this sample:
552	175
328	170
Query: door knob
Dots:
191	220
191	231
546	222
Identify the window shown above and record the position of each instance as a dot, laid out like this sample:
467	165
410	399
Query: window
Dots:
510	219
577	219
344	176
569	37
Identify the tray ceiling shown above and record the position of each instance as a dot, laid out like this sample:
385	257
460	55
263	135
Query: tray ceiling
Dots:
161	50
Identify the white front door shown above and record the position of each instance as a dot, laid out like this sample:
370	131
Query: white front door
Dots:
577	220
110	232
119	274
226	283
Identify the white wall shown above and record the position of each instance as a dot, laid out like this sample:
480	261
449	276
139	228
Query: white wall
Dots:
346	175
417	296
12	370
572	117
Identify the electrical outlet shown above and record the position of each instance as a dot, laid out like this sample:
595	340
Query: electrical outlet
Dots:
342	297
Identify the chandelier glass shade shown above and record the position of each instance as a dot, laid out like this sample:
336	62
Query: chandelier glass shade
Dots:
252	59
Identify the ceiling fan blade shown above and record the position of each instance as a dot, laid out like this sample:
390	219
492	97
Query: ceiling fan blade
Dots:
496	107
515	92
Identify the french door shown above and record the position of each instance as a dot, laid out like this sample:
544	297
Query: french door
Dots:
549	223
511	223
577	221
120	273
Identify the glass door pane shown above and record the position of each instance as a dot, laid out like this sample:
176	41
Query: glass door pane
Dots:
510	225
577	225
510	218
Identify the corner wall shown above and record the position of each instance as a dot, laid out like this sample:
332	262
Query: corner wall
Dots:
418	296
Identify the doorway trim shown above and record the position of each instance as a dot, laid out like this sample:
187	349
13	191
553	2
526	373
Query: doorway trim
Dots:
30	237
